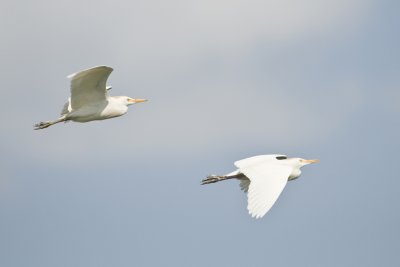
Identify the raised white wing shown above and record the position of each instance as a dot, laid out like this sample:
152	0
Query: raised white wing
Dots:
89	86
67	106
267	180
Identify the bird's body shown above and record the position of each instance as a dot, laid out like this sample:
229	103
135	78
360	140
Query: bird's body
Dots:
101	110
89	99
263	178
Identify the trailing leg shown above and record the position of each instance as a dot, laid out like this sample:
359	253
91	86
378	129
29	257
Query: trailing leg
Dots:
43	125
216	178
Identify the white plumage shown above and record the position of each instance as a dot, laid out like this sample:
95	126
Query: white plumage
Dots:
90	100
263	178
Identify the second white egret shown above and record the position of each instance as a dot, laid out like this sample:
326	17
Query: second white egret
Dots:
89	99
263	178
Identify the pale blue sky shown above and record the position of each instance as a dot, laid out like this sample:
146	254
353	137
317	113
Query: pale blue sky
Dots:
226	80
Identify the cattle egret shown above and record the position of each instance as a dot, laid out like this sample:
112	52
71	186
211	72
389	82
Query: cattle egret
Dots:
263	179
89	99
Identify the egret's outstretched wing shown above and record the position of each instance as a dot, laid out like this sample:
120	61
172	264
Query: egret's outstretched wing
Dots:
89	86
67	106
267	181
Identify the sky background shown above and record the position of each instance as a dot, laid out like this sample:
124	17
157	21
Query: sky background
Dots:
226	80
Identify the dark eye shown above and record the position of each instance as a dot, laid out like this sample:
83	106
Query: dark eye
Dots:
281	157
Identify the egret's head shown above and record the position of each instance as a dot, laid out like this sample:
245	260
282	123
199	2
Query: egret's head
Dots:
307	161
130	101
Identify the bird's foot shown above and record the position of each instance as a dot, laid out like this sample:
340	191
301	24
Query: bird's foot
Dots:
42	125
212	179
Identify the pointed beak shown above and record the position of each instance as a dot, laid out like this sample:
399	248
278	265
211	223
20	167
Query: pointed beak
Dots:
133	101
308	161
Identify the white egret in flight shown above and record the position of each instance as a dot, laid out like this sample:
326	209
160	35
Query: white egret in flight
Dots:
89	99
263	179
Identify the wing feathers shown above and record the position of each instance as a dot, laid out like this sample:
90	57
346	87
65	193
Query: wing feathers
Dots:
89	86
267	181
